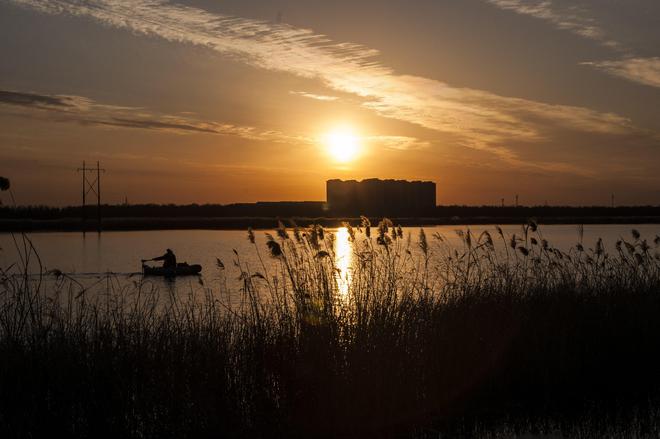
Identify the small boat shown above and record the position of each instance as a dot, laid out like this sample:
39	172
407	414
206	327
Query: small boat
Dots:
182	269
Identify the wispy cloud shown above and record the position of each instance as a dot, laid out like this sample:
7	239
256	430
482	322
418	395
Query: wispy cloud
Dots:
641	70
474	118
400	143
569	17
41	101
314	96
79	109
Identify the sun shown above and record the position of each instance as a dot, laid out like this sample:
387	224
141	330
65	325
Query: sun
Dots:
342	144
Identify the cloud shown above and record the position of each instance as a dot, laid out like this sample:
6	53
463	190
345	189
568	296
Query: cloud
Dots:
79	109
400	143
641	70
575	19
314	96
151	124
41	101
473	118
570	17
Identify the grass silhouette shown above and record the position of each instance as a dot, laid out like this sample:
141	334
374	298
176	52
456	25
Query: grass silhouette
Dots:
500	336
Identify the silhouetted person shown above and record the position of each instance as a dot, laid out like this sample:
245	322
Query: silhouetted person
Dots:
5	185
169	259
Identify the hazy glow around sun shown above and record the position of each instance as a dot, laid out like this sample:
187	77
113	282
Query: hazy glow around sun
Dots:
342	144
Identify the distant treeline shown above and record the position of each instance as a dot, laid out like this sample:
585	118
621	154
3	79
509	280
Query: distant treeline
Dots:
312	209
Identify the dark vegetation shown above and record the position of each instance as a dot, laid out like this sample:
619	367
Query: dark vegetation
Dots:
502	336
265	215
313	209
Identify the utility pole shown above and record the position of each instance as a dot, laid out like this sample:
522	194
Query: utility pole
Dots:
91	186
98	195
502	202
516	200
612	200
83	210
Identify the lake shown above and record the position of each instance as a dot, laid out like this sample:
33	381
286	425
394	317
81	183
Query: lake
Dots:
89	257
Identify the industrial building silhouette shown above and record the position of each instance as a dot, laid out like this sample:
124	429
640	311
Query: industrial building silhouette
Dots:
380	197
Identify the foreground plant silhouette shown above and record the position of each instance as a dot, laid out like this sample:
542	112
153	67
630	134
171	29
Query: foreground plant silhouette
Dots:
504	334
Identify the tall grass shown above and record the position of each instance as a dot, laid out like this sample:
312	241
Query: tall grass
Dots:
498	336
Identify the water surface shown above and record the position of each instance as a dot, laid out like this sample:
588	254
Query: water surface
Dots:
88	257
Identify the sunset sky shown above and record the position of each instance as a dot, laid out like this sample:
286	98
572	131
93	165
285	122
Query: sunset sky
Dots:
237	101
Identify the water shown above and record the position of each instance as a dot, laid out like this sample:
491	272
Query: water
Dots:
88	257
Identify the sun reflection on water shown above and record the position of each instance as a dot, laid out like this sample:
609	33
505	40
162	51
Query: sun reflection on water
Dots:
343	260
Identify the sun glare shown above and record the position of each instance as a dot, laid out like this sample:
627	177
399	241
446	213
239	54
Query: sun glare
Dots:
342	144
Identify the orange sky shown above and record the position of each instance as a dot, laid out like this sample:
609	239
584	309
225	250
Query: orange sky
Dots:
220	102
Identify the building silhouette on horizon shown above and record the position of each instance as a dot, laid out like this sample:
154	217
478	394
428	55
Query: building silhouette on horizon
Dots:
377	197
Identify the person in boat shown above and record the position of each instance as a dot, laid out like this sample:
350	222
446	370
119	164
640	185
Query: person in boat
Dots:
169	259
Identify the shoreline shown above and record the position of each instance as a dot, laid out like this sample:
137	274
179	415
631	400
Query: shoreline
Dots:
265	223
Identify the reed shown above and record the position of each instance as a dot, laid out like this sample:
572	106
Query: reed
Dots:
500	336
